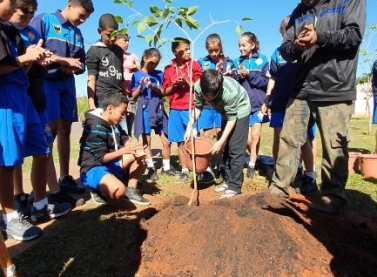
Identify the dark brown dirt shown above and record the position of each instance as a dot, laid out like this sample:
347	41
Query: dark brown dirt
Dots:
251	235
258	235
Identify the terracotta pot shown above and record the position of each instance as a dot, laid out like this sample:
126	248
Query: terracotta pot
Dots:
368	164
354	162
202	148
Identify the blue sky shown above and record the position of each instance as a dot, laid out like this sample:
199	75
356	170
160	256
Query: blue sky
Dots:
266	14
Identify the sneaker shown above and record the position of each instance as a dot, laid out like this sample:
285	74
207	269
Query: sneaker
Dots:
97	197
63	197
152	174
169	172
50	211
20	229
68	184
183	178
22	204
250	173
221	188
205	178
229	193
309	185
135	197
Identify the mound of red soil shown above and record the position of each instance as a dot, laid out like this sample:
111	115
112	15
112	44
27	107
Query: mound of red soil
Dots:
258	235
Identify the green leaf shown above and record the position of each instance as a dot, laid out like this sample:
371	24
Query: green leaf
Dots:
247	19
166	12
182	11
179	22
135	22
162	42
191	22
155	11
149	38
118	19
123	31
141	27
192	10
239	30
151	21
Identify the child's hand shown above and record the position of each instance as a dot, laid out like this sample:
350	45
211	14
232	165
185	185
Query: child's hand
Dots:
188	132
229	72
243	73
216	148
220	66
180	82
72	63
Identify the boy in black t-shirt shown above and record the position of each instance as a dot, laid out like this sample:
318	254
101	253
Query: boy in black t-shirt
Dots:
104	61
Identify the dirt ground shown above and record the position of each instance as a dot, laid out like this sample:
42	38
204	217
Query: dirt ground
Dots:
250	235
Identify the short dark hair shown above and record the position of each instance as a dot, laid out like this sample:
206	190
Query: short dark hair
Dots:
114	99
86	4
107	20
211	82
177	41
27	6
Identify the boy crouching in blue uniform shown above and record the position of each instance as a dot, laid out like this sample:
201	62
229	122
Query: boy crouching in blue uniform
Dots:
106	154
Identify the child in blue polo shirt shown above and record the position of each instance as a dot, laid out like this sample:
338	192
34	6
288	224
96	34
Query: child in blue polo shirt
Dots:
252	72
21	133
61	35
150	114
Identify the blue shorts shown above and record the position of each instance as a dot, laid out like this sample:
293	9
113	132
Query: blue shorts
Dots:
277	119
374	121
93	177
209	118
61	99
178	120
46	127
147	126
21	131
257	117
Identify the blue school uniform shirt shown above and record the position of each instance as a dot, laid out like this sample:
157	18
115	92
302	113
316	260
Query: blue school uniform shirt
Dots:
62	38
149	99
36	72
256	82
30	36
283	72
208	63
9	52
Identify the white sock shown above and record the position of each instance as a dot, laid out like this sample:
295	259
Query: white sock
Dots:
185	170
209	170
166	164
149	162
40	204
310	174
251	165
10	216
